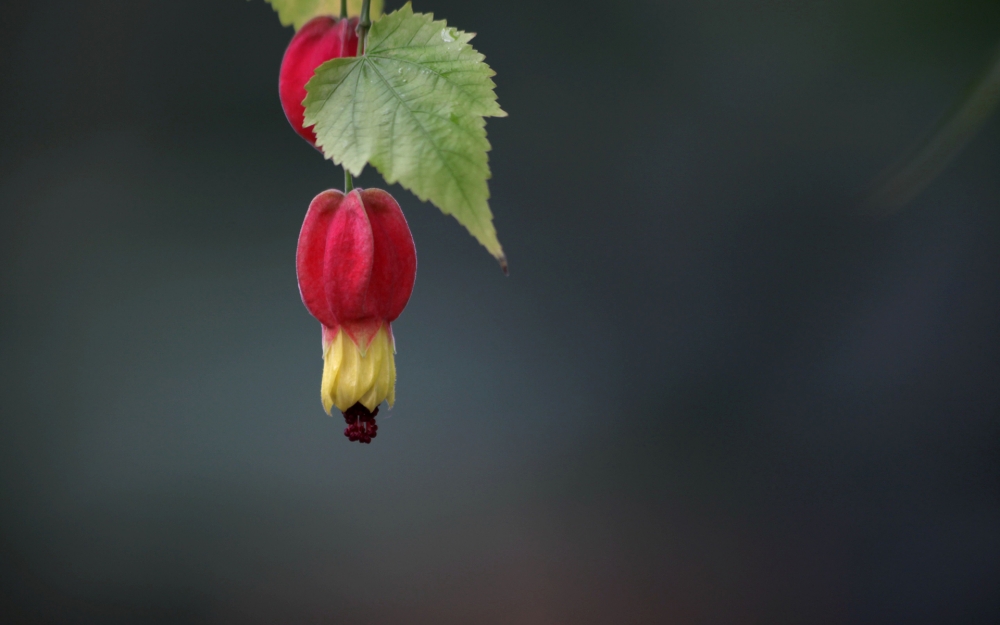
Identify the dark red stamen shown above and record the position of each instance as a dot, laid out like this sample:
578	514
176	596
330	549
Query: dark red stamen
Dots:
360	424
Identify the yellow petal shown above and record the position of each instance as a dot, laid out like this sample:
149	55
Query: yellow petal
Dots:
350	376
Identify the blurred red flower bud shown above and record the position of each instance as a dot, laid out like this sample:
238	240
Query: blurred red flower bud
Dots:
319	40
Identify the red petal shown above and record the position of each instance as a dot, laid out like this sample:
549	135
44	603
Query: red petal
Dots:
319	40
395	267
348	259
310	253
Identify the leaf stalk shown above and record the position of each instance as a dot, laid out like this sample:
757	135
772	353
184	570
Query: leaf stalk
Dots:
364	24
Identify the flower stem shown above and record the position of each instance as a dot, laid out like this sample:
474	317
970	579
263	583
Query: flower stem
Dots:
348	179
364	23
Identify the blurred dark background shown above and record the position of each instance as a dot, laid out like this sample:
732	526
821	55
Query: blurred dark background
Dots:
711	391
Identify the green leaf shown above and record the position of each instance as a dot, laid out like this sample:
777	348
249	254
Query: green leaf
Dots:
298	12
413	106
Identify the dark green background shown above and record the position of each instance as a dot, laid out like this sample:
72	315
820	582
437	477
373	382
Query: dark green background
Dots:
711	390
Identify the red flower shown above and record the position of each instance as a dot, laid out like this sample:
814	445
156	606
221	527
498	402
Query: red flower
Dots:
356	266
318	41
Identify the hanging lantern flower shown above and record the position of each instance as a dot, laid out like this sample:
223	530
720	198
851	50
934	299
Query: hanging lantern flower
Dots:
356	266
319	40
